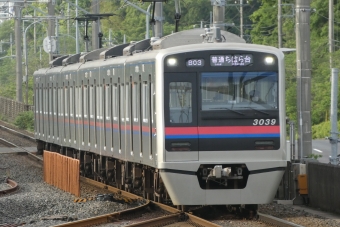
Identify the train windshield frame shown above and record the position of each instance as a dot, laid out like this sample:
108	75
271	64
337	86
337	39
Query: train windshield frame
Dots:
239	91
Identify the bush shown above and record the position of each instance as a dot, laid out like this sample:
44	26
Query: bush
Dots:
25	120
322	130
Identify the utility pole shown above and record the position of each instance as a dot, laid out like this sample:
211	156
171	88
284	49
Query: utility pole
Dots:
331	32
303	61
95	25
17	9
279	26
51	24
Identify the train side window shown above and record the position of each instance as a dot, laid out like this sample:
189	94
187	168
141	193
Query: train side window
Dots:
134	102
71	101
107	101
91	101
85	95
115	102
145	97
180	106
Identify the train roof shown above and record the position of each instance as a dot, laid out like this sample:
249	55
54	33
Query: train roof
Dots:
193	36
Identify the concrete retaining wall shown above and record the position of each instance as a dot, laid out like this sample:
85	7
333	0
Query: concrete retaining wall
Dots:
11	108
324	186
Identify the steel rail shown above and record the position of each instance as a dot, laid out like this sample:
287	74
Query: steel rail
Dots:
180	219
276	221
176	216
7	143
17	133
13	184
102	219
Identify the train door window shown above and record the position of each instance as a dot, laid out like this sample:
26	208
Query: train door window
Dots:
99	96
122	101
107	101
40	98
49	106
91	101
152	98
115	102
55	99
66	100
85	95
145	103
60	101
134	101
77	101
71	101
180	107
50	100
152	109
36	103
127	102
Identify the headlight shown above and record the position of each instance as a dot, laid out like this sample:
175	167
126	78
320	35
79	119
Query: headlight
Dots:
172	62
269	61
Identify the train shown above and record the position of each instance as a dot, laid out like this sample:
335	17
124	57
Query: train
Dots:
193	118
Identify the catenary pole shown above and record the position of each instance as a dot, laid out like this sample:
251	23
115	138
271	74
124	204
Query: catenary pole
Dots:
334	117
77	30
18	51
159	19
218	14
241	19
279	26
51	24
95	25
303	61
331	31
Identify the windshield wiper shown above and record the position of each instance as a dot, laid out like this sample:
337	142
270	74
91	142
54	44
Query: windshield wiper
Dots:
257	110
225	108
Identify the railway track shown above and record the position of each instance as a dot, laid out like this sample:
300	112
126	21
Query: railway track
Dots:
174	216
19	134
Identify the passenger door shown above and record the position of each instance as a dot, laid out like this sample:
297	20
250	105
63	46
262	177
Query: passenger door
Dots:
180	113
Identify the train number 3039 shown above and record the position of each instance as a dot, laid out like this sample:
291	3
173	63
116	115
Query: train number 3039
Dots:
264	122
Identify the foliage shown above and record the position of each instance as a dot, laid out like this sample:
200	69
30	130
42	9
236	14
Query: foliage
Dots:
322	130
25	120
315	156
260	25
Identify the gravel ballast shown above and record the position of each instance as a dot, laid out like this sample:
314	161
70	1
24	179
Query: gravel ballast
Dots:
38	204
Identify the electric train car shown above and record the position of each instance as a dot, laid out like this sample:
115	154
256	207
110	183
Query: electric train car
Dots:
183	121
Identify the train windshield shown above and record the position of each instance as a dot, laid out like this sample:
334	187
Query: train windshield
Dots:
239	90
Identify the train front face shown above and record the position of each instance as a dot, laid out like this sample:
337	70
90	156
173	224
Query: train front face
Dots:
223	123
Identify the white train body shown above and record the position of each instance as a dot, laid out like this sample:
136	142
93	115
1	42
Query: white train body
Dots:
176	122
